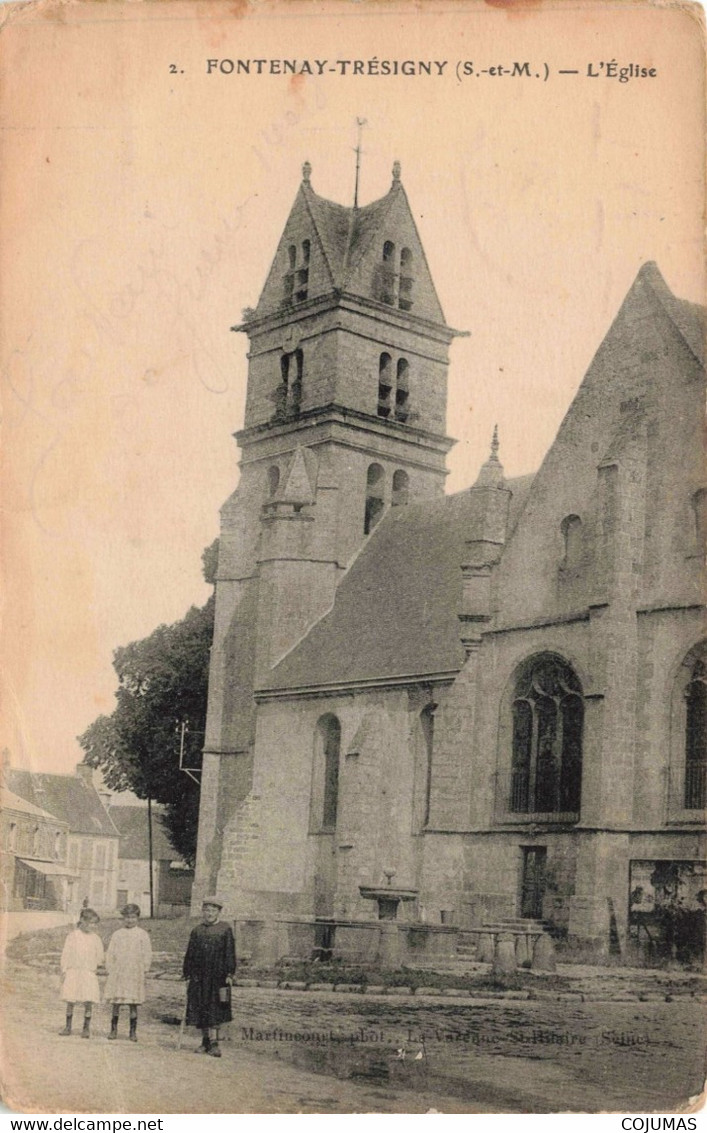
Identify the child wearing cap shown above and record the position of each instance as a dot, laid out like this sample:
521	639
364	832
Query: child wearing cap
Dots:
128	962
81	956
209	966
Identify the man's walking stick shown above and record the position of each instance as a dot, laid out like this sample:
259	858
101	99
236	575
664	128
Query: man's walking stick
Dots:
183	1022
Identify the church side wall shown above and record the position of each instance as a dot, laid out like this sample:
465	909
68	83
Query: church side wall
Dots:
276	858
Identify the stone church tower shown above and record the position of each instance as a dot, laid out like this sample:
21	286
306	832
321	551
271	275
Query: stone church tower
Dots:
345	418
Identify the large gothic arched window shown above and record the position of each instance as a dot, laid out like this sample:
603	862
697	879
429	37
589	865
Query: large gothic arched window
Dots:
325	781
695	795
548	715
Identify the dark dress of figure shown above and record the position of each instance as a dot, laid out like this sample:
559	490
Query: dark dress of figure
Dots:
210	959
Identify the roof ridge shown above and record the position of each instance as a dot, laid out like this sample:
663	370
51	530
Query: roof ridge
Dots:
356	259
306	189
651	275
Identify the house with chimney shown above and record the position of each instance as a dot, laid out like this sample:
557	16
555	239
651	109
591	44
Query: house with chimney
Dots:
86	836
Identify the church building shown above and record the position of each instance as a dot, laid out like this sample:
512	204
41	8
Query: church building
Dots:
491	704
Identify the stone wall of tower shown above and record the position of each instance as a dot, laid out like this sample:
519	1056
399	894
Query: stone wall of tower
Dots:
277	574
316	335
341	351
360	343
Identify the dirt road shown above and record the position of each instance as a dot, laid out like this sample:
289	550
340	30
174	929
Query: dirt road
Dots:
480	1058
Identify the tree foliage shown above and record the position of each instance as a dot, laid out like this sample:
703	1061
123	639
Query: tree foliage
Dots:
162	685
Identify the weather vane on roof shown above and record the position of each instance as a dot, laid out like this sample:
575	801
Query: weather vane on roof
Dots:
360	123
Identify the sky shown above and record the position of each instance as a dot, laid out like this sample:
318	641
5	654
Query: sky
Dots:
142	199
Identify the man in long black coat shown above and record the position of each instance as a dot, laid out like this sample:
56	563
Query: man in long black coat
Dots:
209	966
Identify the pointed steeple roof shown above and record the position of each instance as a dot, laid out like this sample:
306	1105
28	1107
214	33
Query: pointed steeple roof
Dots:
346	246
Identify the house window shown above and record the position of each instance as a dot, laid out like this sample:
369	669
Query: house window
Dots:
374	497
325	783
406	281
98	890
12	836
548	716
695	795
571	530
401	485
306	251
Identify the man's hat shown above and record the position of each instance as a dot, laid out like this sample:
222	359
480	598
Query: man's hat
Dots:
212	901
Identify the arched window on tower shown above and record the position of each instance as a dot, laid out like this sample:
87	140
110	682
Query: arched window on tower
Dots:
547	725
288	286
401	487
385	384
571	531
296	280
302	285
402	390
386	275
288	395
695	793
294	399
325	777
374	497
406	280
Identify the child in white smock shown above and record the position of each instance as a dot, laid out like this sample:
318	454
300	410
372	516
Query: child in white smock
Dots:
82	955
128	961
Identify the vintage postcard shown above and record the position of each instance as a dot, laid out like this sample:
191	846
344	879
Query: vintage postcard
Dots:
353	542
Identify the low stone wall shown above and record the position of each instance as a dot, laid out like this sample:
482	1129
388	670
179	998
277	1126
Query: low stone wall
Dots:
391	943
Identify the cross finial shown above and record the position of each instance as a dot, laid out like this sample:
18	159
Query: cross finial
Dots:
306	172
396	171
360	123
494	443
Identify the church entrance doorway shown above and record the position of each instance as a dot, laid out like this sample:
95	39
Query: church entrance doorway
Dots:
532	887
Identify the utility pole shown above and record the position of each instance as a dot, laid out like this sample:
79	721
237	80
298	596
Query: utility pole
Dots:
149	853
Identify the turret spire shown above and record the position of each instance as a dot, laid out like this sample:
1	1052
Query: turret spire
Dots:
491	473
